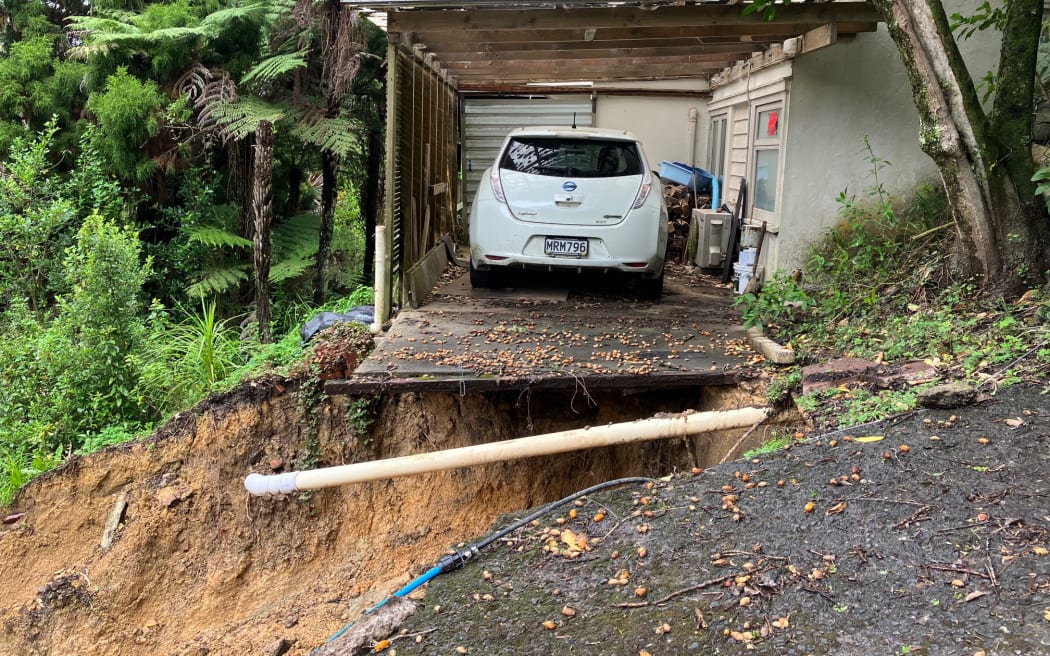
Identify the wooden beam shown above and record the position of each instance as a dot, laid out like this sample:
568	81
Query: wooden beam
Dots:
486	87
554	63
569	73
617	17
584	34
708	44
820	37
550	381
736	52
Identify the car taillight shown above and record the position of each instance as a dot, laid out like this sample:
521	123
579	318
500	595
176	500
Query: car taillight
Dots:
643	193
497	186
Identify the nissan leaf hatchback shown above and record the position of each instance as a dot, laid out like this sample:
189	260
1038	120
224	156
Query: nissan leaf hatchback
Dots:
570	199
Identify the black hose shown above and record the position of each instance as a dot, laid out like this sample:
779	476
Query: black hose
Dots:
456	560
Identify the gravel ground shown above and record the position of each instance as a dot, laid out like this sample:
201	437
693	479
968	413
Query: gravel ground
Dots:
925	536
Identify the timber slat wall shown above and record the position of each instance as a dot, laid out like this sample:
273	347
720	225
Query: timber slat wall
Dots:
422	169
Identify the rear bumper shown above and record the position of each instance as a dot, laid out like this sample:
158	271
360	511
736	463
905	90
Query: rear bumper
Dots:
499	241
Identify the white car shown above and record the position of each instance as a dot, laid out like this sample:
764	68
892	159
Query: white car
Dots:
569	199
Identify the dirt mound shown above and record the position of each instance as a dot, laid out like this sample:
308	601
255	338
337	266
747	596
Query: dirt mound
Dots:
928	536
197	567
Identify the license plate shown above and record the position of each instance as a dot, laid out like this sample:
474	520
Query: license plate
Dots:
561	246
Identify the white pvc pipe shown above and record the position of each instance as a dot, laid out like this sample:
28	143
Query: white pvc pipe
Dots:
694	114
382	281
523	447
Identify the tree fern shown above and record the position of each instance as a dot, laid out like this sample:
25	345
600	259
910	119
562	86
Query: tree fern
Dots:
273	67
237	119
294	247
339	135
216	237
219	280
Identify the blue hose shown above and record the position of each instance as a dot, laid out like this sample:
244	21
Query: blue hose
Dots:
456	560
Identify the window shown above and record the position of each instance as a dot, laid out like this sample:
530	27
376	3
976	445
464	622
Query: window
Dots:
716	154
766	132
584	158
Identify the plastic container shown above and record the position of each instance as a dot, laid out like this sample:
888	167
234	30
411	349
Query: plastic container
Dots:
743	276
747	256
683	174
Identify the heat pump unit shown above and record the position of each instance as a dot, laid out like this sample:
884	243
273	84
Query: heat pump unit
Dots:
712	237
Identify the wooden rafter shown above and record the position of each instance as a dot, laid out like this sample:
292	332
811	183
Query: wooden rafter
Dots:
522	42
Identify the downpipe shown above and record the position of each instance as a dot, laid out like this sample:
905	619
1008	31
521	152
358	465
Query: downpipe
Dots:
382	281
577	439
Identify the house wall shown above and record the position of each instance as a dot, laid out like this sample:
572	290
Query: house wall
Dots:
660	122
832	109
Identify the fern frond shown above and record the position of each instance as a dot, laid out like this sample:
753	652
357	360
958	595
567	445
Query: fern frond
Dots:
217	21
193	82
170	34
219	280
238	119
273	67
296	236
216	237
92	25
89	50
288	269
336	135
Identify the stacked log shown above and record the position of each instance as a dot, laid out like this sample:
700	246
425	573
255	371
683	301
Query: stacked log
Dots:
680	203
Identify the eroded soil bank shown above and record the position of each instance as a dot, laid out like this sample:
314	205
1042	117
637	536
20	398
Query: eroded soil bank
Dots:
197	567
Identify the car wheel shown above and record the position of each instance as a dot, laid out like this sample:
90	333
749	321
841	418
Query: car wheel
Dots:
651	288
484	279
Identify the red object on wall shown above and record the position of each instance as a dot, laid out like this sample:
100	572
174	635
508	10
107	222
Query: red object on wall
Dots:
771	128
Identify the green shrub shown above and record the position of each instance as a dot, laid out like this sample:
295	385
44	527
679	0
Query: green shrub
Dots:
185	360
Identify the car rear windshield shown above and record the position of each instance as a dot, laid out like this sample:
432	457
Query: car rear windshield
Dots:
581	158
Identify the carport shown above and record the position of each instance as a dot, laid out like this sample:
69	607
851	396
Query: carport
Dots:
442	55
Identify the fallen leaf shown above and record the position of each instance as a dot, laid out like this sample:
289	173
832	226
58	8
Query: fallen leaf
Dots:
837	508
974	595
869	438
1040	551
781	623
569	538
1015	423
549	625
381	645
809	506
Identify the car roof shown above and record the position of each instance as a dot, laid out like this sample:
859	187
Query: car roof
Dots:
565	131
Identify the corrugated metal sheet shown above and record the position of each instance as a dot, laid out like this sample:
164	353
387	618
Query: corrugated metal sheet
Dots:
486	123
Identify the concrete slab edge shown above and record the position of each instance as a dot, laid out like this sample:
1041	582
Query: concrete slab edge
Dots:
769	349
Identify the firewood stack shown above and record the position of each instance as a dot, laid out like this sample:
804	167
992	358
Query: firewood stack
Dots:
680	205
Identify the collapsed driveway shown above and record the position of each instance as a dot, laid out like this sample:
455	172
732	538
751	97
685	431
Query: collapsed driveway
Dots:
545	336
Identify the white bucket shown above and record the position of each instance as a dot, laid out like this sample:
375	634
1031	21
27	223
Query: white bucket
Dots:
747	256
743	276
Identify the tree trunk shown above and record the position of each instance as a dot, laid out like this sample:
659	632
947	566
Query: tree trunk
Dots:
295	193
1023	229
329	163
969	149
262	206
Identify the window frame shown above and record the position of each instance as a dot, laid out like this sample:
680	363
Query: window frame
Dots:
766	144
718	159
